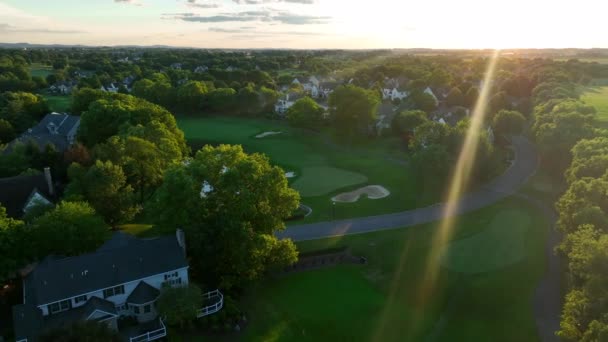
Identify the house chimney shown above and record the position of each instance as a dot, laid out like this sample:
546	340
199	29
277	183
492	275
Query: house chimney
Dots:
181	239
49	180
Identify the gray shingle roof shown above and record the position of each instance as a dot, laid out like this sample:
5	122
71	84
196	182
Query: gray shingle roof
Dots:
143	293
41	133
17	190
114	263
29	322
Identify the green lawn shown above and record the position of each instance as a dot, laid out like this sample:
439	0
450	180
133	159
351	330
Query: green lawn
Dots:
323	169
487	297
598	98
41	70
58	103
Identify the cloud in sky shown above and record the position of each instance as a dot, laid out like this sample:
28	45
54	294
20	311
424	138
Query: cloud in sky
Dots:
6	28
262	15
306	23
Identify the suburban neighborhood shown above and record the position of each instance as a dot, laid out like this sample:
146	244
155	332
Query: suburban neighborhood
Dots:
301	171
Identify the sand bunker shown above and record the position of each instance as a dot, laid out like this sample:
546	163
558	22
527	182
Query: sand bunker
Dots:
265	134
371	191
290	174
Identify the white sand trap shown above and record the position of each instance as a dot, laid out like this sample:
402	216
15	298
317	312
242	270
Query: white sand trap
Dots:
290	174
265	134
371	191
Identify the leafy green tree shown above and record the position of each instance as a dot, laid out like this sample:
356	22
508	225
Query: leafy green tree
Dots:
224	195
221	100
470	98
71	228
455	97
82	98
141	160
7	132
22	110
179	305
15	248
104	186
353	110
305	113
190	95
90	331
432	165
508	122
408	121
422	101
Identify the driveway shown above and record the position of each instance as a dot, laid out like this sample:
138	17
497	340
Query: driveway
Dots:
524	165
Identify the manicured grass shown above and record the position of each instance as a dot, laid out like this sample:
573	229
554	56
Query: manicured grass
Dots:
323	169
598	98
494	247
386	300
41	70
321	180
58	103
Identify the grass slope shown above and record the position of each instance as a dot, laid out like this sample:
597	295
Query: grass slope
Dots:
58	103
598	98
40	70
386	300
322	168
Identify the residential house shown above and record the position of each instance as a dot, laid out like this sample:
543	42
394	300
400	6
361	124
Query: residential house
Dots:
201	69
63	87
123	278
429	91
176	66
231	68
283	104
385	114
394	94
111	88
20	193
56	129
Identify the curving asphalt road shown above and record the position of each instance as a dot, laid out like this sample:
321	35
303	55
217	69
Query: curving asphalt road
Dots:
524	165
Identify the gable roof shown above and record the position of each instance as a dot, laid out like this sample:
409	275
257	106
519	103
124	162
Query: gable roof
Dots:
29	322
17	190
112	264
52	129
143	293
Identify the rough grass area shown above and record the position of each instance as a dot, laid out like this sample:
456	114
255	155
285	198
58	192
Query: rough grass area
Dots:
493	248
40	70
322	180
598	98
58	103
323	168
387	300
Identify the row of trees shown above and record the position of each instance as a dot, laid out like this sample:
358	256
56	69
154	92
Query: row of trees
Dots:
564	128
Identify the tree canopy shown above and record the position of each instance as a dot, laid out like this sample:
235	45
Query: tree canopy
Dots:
224	195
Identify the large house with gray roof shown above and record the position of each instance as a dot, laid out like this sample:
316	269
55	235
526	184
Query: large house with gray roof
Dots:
124	277
56	129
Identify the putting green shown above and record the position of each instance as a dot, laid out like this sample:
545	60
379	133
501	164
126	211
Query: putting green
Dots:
499	245
321	180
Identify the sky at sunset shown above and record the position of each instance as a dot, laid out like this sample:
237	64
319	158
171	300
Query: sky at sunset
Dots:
306	24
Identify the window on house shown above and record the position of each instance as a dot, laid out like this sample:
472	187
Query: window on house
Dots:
147	308
172	282
80	299
114	291
60	306
136	310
